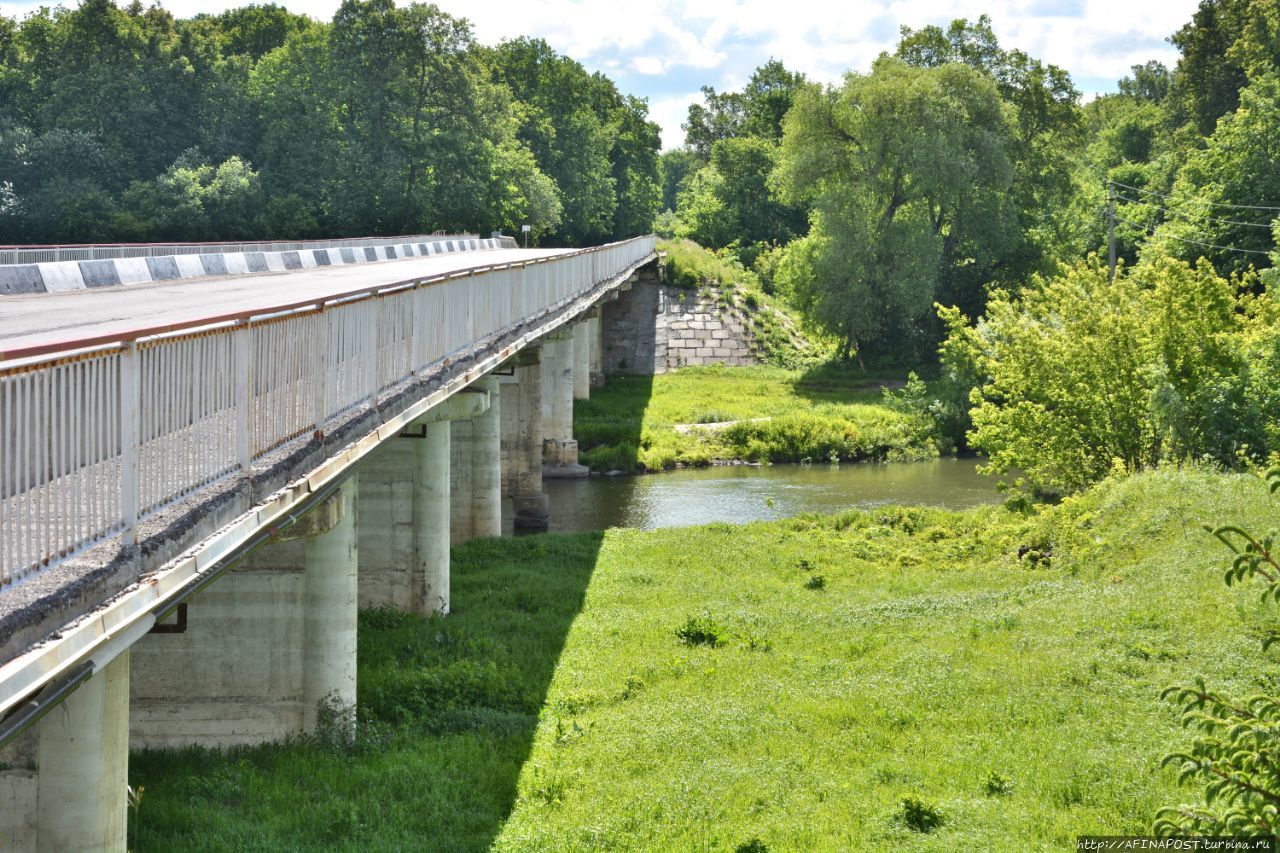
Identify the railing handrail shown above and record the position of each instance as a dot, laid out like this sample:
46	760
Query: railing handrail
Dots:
104	251
101	430
59	349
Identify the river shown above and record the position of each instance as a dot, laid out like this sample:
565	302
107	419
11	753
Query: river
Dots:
740	493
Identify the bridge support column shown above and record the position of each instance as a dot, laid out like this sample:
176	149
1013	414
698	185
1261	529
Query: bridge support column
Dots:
431	519
486	464
82	762
522	441
597	349
268	651
582	360
329	621
406	501
560	450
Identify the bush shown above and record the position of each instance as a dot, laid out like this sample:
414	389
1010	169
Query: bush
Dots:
918	816
701	630
1078	375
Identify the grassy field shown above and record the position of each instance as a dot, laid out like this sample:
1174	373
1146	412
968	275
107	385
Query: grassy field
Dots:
784	416
777	686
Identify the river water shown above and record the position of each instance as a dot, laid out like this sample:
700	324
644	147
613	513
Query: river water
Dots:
742	493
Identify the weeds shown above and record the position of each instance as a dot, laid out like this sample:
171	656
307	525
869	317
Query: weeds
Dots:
701	630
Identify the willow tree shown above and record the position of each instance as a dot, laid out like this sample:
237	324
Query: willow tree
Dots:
907	172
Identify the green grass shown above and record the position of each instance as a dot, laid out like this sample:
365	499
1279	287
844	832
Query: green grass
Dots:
693	690
812	414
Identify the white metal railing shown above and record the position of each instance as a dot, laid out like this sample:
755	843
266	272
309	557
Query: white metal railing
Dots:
104	251
96	434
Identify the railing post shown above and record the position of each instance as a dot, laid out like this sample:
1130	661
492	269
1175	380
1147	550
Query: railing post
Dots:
322	395
129	399
244	397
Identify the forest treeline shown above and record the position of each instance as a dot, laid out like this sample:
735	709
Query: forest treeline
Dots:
127	124
956	168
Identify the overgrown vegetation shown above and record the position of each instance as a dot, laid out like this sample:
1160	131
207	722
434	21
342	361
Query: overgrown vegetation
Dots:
822	414
121	124
1235	758
1075	375
941	691
776	332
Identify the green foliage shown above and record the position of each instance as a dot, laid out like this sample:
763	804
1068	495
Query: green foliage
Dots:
756	111
386	120
686	264
997	785
1235	758
730	200
1077	377
902	167
1239	164
1042	215
918	816
701	630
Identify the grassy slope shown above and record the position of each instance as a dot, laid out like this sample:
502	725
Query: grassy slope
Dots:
932	658
812	413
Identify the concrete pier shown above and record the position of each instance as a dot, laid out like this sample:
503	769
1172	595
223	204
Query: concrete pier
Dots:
581	360
406	506
329	621
266	647
597	349
83	766
560	450
486	464
522	441
431	520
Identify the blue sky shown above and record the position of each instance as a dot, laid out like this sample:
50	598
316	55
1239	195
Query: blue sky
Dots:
666	49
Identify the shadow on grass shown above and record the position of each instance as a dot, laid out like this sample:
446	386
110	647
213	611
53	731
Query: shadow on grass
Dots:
608	426
448	711
839	381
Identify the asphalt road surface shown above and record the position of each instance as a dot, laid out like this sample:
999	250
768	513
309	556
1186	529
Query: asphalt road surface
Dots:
53	318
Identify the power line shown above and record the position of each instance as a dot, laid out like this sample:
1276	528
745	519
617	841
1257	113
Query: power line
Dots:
1195	201
1151	230
1266	225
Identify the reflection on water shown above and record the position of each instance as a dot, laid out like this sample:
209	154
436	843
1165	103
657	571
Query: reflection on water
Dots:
743	493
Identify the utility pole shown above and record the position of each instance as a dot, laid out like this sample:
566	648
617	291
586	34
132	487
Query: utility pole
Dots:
1111	228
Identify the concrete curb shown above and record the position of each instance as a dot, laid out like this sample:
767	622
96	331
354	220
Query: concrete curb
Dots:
60	276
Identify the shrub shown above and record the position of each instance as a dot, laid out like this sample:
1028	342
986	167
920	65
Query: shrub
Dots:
1076	374
702	630
997	785
918	816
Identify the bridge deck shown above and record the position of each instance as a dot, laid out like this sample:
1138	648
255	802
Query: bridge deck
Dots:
54	318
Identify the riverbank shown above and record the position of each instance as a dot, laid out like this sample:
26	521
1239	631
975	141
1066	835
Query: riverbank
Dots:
781	685
823	413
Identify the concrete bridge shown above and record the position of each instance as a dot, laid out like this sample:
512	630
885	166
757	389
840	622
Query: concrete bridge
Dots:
207	466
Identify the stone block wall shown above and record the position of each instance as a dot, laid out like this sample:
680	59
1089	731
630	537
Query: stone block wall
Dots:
655	327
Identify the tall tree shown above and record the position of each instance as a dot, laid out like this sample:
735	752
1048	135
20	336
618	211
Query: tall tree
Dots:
903	167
